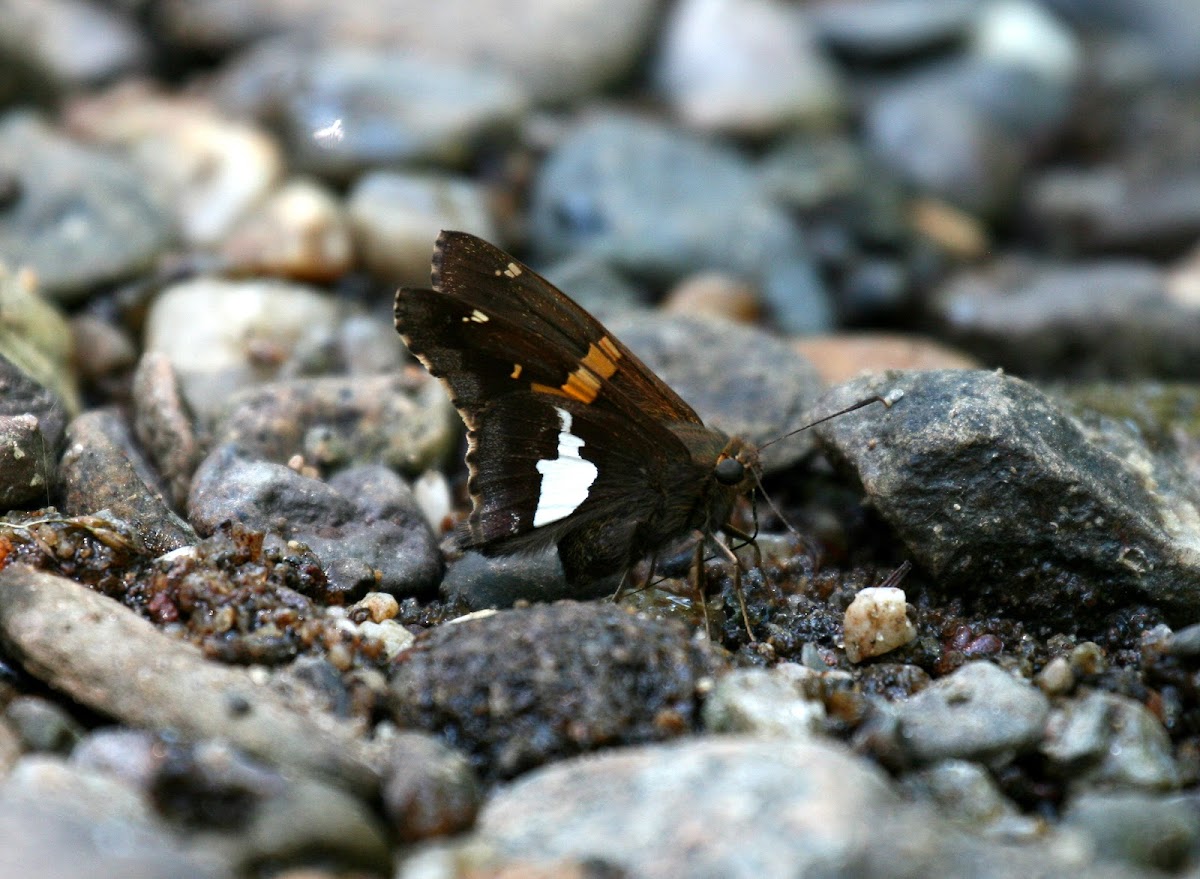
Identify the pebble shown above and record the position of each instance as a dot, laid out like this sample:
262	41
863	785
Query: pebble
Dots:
878	31
480	582
212	168
773	703
52	47
341	111
76	825
1116	314
42	725
751	67
103	470
428	788
26	459
223	335
963	792
363	545
783	808
655	202
524	687
715	294
843	356
979	712
1007	455
106	353
1145	830
1057	678
876	622
299	232
1106	740
164	426
117	226
35	338
397	217
90	648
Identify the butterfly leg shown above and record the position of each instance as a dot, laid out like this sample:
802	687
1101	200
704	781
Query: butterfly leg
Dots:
737	577
696	575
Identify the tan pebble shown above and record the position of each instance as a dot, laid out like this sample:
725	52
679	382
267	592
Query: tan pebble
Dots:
845	356
715	294
876	622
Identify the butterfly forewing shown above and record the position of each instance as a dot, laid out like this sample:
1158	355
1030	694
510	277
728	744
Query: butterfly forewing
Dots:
489	280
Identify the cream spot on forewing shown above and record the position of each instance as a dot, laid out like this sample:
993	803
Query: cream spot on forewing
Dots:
565	479
512	270
479	317
516	373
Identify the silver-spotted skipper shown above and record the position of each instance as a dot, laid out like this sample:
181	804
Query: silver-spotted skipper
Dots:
572	440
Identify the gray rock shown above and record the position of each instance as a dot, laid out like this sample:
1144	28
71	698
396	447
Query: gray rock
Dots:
1102	739
393	108
1164	34
521	687
1087	319
891	30
979	712
211	168
35	395
1185	642
106	224
87	792
164	425
783	809
26	461
222	336
90	648
133	755
302	820
23	395
53	837
394	552
963	792
746	66
1145	830
1118	206
41	53
782	702
42	725
37	357
745	382
428	788
660	204
557	51
404	421
482	582
396	219
996	490
102	469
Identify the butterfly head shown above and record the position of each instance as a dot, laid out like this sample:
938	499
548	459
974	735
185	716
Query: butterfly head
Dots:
736	465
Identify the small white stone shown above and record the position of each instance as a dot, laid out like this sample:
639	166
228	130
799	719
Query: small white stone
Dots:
877	622
393	636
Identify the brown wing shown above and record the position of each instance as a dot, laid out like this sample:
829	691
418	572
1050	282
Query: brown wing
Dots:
598	369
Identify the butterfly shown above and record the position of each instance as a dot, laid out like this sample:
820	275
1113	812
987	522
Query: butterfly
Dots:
572	441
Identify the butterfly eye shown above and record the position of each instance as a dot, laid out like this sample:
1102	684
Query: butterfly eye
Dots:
729	471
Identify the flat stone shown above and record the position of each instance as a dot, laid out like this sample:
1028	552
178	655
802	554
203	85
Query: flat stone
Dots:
91	648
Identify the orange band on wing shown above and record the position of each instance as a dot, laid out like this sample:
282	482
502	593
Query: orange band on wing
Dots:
583	384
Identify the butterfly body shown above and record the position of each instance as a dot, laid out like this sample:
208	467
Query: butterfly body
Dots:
572	440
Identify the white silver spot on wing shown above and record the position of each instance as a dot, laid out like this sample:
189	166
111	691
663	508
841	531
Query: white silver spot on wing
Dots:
512	270
565	479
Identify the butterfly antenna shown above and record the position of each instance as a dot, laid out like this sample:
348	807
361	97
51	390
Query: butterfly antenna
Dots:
887	400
